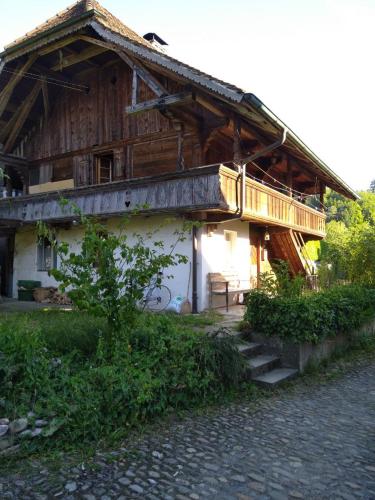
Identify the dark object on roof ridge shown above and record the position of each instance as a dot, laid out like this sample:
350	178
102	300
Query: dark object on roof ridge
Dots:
150	37
76	11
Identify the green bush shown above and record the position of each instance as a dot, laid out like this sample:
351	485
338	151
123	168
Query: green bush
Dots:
53	365
310	317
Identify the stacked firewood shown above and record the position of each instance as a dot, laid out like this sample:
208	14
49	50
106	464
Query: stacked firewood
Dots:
51	295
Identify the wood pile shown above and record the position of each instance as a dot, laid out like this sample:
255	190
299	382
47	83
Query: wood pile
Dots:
51	295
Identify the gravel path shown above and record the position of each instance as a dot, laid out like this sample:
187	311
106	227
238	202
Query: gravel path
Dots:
314	442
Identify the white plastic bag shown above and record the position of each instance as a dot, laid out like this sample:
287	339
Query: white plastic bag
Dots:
179	305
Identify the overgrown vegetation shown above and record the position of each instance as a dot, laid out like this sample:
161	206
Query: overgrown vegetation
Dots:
348	252
110	366
310	317
52	364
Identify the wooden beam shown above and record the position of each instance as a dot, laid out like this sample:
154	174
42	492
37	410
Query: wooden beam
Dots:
24	113
7	92
161	103
9	125
13	161
144	74
77	58
180	147
58	45
135	65
289	177
58	77
322	190
134	88
209	106
45	97
237	153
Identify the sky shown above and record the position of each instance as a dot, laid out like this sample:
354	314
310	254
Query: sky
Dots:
310	61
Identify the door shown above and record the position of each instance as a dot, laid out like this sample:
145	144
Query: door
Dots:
6	264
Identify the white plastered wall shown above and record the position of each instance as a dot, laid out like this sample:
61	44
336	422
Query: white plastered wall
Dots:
213	258
25	257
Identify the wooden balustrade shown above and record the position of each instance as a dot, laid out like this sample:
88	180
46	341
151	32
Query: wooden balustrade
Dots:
213	189
267	205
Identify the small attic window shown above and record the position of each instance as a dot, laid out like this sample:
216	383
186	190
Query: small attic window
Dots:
114	80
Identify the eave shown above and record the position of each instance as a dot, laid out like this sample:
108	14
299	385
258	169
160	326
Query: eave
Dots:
245	104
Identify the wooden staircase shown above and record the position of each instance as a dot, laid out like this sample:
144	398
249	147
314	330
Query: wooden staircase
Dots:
289	245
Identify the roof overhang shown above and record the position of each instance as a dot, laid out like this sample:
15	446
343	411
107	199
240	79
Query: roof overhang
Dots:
246	104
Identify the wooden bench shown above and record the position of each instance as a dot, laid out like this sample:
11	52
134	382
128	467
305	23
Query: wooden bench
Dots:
226	283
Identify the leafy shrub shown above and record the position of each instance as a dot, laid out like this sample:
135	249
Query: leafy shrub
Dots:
162	367
280	282
110	274
311	317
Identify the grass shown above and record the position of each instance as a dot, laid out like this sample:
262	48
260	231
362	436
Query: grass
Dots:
54	364
66	331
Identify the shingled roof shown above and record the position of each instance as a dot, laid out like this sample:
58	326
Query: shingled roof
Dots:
89	13
76	11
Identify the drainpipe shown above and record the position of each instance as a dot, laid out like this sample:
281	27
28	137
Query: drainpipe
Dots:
244	164
194	271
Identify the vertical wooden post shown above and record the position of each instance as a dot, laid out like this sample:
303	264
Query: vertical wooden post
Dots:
129	161
2	176
237	153
289	177
180	147
45	97
322	191
134	88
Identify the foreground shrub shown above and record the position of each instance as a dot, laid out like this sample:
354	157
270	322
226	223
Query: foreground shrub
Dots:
311	317
162	368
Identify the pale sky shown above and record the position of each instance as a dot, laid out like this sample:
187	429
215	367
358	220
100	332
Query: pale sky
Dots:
310	61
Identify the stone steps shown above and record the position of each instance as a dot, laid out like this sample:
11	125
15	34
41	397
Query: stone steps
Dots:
264	368
275	377
250	348
262	363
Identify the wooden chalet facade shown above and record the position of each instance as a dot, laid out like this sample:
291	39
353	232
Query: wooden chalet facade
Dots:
93	112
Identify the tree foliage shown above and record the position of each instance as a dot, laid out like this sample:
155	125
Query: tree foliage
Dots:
348	252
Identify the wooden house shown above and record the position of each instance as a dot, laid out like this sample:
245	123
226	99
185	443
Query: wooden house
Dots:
93	112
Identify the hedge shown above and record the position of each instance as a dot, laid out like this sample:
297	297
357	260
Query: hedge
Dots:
311	317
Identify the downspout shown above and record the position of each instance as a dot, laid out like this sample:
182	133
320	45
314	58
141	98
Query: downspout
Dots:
245	162
194	270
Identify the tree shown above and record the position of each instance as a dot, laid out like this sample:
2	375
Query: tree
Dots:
367	204
341	209
361	255
372	186
110	273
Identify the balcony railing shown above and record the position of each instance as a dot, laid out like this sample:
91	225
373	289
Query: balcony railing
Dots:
213	189
264	204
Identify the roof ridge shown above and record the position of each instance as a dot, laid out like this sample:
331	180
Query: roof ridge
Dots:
77	10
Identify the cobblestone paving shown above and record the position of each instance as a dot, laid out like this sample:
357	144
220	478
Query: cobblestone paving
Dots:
313	442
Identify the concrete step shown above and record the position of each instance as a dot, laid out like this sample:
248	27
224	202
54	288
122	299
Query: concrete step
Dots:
275	377
262	364
250	349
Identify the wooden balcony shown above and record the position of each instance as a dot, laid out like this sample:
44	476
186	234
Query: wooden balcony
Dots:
213	190
268	206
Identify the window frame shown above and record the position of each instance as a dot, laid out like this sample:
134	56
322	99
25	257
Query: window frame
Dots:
41	259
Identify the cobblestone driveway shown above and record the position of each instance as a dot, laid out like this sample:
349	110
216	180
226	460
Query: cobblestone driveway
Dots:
314	442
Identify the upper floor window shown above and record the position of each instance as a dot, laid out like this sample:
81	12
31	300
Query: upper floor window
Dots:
46	255
104	168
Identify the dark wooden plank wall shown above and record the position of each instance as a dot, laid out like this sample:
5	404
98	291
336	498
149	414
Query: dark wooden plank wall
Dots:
80	124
